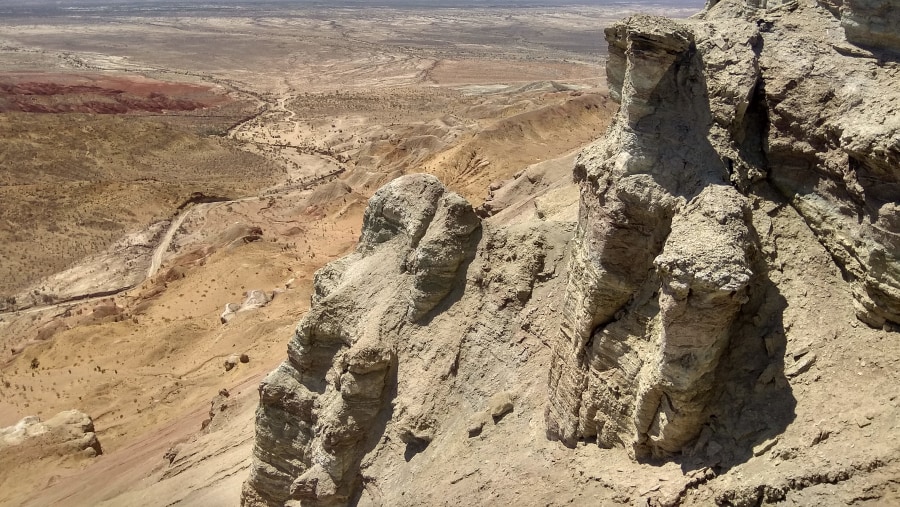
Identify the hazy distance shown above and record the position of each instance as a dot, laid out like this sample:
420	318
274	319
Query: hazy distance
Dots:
65	7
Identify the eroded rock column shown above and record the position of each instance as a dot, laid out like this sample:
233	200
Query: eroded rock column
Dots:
327	405
660	265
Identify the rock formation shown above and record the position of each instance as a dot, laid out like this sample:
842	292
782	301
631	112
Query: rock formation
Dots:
67	433
319	409
831	131
253	300
756	149
712	113
870	23
660	264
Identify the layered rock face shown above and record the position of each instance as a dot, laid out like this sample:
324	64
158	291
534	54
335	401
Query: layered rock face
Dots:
713	114
871	23
832	129
431	327
661	258
321	409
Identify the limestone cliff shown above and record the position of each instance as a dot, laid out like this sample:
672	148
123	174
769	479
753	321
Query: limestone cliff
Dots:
692	306
411	339
715	114
320	410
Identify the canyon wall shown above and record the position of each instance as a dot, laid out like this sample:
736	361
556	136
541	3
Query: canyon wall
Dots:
715	115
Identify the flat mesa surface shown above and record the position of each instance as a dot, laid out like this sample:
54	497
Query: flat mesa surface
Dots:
226	148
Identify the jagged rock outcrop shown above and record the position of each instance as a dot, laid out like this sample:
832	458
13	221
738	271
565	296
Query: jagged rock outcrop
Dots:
660	264
713	112
320	410
870	23
432	320
67	433
832	133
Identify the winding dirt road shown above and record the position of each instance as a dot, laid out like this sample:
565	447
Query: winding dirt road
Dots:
155	263
156	259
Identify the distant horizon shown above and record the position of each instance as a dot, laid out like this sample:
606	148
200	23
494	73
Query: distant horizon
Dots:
66	5
323	3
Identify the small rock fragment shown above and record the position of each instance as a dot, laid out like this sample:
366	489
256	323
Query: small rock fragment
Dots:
764	447
228	313
231	362
477	422
820	436
499	405
172	453
800	366
800	353
771	347
768	375
475	428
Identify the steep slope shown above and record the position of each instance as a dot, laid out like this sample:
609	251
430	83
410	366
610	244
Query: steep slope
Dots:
74	184
399	354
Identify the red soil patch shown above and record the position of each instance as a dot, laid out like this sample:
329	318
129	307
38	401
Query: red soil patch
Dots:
102	94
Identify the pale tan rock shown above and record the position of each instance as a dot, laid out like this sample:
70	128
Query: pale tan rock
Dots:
666	253
319	410
831	143
69	432
732	166
231	362
500	404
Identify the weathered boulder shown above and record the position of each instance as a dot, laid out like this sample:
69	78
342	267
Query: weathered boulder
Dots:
231	362
67	433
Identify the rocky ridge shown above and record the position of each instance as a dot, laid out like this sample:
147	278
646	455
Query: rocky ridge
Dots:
715	117
748	182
